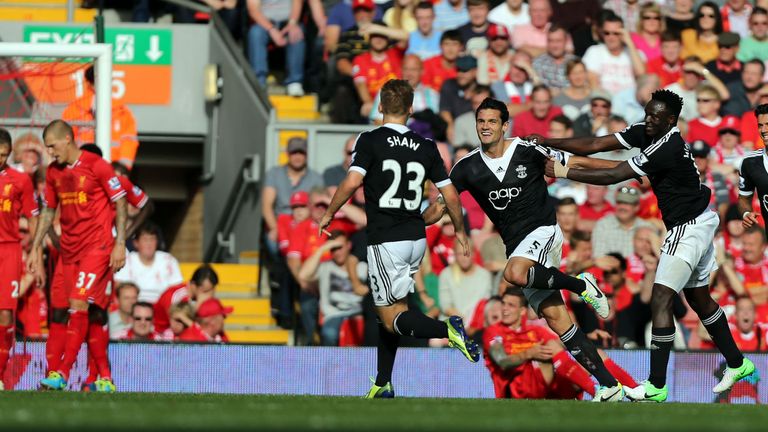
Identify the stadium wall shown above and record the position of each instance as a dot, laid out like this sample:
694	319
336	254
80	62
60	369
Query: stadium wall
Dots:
342	371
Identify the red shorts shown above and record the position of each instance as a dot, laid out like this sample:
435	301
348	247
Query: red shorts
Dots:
527	383
89	280
10	274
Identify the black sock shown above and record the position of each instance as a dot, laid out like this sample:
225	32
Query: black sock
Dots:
662	339
385	355
418	325
717	326
540	277
586	354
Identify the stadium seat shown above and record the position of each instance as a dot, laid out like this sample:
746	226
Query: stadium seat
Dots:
235	280
43	11
295	108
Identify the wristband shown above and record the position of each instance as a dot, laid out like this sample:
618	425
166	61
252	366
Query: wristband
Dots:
745	214
561	171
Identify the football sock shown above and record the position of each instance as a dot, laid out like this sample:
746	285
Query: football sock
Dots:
77	330
385	355
418	325
6	343
717	326
586	354
619	373
540	277
662	339
93	370
566	367
98	342
54	346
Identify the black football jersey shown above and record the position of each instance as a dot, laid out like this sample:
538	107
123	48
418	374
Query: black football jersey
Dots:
510	189
395	162
669	165
753	174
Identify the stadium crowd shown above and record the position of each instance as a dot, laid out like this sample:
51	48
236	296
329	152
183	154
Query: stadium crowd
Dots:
564	69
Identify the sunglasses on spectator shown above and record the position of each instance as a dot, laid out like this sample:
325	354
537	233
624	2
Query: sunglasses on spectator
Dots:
142	318
726	46
704	100
611	272
320	205
652	17
612	33
499	38
707	15
600	104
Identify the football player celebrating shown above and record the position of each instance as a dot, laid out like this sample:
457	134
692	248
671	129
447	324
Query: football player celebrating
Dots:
753	174
392	162
16	200
506	178
84	187
688	253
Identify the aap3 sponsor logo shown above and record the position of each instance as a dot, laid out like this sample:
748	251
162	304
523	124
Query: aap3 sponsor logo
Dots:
501	198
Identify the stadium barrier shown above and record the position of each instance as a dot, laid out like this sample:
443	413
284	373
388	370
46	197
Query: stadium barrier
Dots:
419	372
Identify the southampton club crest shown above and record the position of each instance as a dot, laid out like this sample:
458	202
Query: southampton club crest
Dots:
521	173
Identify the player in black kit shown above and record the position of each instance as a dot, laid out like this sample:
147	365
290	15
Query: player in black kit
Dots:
753	174
506	178
688	253
391	163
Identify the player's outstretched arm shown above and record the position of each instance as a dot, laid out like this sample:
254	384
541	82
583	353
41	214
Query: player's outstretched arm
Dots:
344	192
579	146
748	217
603	176
452	203
582	162
117	258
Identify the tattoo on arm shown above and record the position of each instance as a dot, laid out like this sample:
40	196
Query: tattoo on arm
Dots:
44	223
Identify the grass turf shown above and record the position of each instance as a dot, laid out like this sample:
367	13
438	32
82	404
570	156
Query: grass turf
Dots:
56	412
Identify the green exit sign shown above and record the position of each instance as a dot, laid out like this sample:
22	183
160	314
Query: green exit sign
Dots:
129	45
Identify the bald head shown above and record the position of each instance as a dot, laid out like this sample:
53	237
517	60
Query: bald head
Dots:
59	140
58	129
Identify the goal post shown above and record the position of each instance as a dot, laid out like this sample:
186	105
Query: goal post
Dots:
102	58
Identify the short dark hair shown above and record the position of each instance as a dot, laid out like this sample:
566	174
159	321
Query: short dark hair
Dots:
396	97
493	104
671	36
148	227
92	148
452	35
515	292
718	18
756	229
613	17
143	304
670	99
425	5
482	88
620	258
466	146
120	168
205	273
563	120
541	87
757	62
580	236
555	28
5	138
478	3
125	285
757	10
566	201
59	127
761	109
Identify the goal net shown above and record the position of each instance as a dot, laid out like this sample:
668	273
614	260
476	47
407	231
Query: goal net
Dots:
41	82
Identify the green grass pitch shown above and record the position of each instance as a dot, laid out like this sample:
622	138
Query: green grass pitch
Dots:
56	412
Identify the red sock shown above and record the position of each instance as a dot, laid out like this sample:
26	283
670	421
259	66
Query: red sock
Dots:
98	342
620	374
6	343
77	330
568	368
93	371
54	347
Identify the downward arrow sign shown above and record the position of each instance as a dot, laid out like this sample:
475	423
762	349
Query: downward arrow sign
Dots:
154	52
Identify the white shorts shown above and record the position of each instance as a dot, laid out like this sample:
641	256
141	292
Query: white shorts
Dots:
545	246
391	267
688	253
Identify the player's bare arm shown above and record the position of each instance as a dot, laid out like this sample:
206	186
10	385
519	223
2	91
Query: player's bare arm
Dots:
140	218
344	192
579	146
35	262
453	205
749	217
603	176
581	162
508	361
435	211
117	258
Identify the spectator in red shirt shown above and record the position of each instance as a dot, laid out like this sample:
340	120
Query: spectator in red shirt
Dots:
209	324
142	328
516	88
536	120
629	313
182	317
372	69
567	218
200	288
706	126
752	266
286	223
594	208
439	68
748	333
669	66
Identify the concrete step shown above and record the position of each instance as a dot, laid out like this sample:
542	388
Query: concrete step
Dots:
296	108
249	312
240	279
17	11
266	336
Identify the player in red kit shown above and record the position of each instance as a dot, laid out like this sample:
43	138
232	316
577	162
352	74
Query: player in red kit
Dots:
84	187
16	200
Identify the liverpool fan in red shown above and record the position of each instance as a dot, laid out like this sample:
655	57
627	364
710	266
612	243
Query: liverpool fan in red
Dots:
16	200
83	186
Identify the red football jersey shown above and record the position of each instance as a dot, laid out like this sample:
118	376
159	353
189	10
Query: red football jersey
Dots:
376	72
515	341
196	334
435	74
17	199
85	191
754	278
586	211
133	194
171	296
755	340
667	74
700	129
635	268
